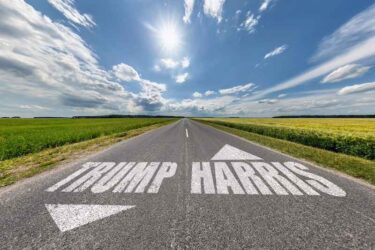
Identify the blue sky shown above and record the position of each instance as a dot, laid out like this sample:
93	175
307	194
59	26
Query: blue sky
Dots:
201	58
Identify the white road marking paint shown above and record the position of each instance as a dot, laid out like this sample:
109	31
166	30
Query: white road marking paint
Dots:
225	179
228	153
218	177
317	181
201	174
275	180
61	183
300	183
70	216
90	178
136	173
125	177
259	178
112	178
167	170
142	178
187	133
246	174
235	177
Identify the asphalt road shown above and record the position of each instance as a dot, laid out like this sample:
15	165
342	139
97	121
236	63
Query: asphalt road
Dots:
200	189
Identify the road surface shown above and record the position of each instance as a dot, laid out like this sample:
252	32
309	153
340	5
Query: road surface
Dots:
187	185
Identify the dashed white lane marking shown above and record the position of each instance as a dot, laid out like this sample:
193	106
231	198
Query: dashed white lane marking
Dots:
187	133
70	216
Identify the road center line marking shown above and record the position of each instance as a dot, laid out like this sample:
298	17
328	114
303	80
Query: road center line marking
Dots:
187	133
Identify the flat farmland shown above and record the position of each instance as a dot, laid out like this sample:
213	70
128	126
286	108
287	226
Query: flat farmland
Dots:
349	136
19	137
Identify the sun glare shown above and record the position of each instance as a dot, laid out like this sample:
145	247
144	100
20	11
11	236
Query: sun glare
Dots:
169	37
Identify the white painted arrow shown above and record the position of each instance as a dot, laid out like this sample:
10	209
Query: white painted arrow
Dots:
228	152
70	216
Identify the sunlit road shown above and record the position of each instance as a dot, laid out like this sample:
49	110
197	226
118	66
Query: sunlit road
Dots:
187	185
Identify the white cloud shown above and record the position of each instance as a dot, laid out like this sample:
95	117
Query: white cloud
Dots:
47	57
355	42
348	71
185	62
358	29
189	6
181	78
308	104
150	98
276	51
125	72
214	8
42	61
198	106
46	64
268	101
33	107
357	88
197	94
364	50
149	86
169	63
264	5
157	68
282	95
209	93
67	8
176	66
317	102
237	89
250	23
252	20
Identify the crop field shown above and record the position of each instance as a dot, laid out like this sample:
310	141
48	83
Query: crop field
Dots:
23	136
349	136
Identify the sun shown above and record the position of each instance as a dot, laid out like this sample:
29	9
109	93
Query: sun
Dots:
169	36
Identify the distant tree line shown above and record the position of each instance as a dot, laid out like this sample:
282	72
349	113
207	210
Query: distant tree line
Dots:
126	116
99	116
325	116
107	116
51	117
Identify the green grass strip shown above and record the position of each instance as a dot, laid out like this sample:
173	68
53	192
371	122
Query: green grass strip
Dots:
15	169
351	165
20	137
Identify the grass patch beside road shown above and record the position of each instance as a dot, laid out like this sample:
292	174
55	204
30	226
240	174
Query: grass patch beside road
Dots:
24	136
15	169
354	166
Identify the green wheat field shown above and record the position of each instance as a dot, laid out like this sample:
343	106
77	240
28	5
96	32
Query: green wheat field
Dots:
354	136
19	137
